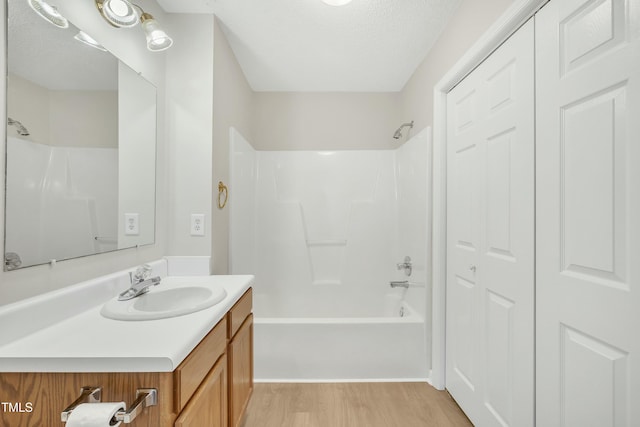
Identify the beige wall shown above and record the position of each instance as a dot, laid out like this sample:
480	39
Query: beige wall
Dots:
232	99
65	118
326	121
189	69
472	19
87	118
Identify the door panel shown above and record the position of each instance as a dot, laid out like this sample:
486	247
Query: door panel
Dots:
490	229
588	213
208	406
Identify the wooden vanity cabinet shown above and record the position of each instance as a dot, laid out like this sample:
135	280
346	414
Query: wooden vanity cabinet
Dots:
210	388
200	383
214	383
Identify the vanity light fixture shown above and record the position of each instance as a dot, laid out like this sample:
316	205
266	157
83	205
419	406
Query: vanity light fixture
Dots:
336	2
88	40
157	39
49	13
119	13
123	14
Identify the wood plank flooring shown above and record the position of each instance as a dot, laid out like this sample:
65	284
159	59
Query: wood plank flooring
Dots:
352	405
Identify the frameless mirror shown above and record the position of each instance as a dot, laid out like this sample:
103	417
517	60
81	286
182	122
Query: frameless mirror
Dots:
80	146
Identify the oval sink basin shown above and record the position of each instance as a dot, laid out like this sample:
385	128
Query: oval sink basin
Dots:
164	303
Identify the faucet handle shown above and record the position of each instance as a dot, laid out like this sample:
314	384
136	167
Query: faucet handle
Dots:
142	273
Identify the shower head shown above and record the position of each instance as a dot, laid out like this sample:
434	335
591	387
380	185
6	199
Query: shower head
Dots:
398	132
22	131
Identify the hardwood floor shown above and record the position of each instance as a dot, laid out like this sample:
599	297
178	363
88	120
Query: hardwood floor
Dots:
352	405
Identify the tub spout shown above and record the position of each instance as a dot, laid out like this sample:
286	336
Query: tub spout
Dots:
406	284
402	284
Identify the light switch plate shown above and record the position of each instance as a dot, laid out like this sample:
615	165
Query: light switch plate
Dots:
197	224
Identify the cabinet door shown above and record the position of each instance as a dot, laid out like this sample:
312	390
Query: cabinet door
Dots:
208	406
240	371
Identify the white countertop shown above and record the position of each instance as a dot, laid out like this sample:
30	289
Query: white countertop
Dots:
88	342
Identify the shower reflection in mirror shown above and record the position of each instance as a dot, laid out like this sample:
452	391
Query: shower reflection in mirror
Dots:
71	170
22	131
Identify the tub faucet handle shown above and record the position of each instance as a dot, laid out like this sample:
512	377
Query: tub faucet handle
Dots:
406	266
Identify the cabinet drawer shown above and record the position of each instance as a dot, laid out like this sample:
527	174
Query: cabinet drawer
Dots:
192	371
239	312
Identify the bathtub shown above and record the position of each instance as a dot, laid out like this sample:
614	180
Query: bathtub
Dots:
292	343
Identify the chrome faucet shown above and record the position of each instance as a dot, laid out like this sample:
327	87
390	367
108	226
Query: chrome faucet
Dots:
140	283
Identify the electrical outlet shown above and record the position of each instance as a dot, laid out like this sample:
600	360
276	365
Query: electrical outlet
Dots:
197	224
131	225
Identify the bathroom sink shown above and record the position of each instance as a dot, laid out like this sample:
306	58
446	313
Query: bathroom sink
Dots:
162	303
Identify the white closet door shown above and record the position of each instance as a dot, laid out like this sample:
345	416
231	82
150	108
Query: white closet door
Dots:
588	213
490	237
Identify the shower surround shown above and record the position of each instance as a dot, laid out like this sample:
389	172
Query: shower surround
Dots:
59	199
322	232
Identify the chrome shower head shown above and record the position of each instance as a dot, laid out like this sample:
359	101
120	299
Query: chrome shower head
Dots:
22	131
398	132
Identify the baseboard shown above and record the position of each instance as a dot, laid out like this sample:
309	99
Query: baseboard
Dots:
340	380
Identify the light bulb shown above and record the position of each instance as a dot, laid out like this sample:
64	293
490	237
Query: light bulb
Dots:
119	13
157	39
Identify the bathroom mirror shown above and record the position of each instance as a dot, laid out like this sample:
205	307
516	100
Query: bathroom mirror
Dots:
80	146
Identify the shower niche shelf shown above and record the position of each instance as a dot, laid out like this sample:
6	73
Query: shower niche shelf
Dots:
326	257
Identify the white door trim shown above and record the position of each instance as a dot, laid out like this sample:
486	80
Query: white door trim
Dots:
516	15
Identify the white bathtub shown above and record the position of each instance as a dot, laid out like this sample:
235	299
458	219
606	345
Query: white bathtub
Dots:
388	345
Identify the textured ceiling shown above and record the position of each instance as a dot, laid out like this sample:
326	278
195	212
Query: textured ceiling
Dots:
306	45
50	57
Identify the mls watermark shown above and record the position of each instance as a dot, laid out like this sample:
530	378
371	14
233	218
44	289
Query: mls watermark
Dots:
20	407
